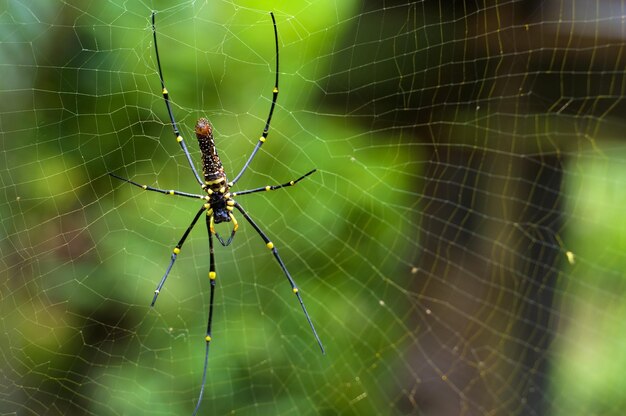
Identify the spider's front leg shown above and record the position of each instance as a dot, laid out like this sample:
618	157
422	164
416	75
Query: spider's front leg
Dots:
294	288
176	251
208	338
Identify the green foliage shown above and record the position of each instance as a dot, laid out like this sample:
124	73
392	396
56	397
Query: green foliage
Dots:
83	252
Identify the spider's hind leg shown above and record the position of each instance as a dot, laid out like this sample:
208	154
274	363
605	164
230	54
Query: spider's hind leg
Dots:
170	113
263	137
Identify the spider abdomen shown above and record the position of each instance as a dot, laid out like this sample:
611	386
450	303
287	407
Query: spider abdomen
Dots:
211	164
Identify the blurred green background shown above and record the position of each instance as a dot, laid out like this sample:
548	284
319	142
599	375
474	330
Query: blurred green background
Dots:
460	249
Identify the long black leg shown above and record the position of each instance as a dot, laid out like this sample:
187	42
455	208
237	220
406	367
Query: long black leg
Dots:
175	254
207	338
166	97
294	288
269	117
272	187
163	191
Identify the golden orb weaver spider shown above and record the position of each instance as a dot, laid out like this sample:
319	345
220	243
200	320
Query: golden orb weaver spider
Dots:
218	202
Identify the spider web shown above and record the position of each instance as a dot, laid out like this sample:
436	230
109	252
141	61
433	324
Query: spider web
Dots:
460	249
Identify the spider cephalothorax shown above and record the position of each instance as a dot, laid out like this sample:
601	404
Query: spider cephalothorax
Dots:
217	200
221	205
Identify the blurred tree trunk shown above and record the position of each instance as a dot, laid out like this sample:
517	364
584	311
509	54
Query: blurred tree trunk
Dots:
491	91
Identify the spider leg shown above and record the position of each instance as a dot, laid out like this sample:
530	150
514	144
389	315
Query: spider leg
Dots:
269	117
207	338
175	253
272	187
166	97
163	191
294	288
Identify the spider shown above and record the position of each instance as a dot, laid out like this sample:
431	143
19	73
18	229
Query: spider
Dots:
218	200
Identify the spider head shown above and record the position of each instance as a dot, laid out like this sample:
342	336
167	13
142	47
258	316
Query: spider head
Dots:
221	215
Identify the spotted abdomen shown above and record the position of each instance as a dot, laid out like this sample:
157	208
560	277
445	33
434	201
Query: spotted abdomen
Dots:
211	164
